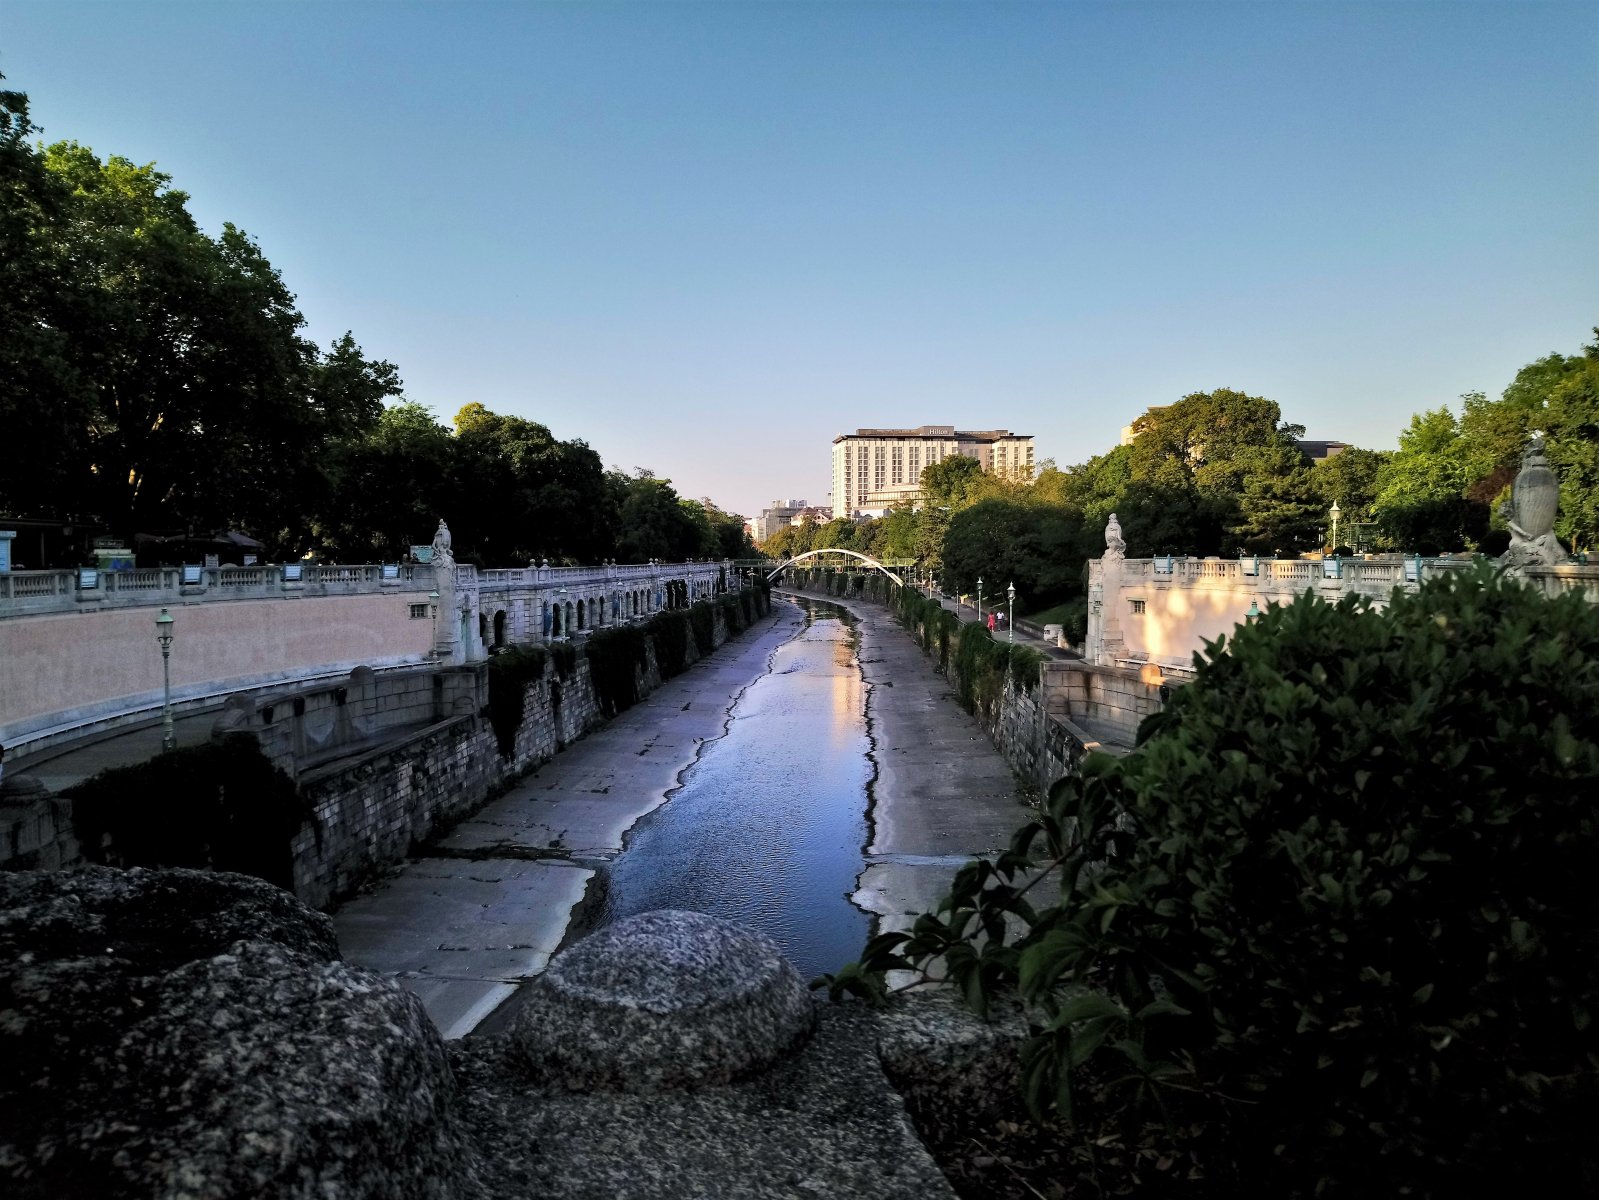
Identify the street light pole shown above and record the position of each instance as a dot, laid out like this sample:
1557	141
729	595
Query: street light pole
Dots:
1010	618
163	634
979	599
1334	515
433	600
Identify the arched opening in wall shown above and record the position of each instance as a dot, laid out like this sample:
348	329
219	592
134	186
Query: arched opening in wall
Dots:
580	614
499	628
556	623
569	625
483	628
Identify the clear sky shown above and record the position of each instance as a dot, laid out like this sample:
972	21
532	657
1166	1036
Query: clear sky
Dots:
707	238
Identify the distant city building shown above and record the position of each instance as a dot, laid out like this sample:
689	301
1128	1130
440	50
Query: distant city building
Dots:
887	463
1317	451
782	513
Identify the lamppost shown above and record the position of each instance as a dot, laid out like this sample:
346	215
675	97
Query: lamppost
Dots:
1010	616
163	634
433	602
979	599
1334	515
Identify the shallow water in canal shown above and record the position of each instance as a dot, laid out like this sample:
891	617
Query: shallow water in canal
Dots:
768	826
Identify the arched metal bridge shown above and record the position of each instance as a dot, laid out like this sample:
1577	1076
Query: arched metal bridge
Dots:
871	562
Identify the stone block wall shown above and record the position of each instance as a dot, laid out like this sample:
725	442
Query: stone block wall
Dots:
1109	703
367	810
36	833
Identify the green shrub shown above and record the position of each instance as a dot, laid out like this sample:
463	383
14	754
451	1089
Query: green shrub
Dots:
510	673
221	806
1331	929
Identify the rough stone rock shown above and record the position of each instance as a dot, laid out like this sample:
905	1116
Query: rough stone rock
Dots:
948	1064
183	1033
152	919
266	1075
821	1122
662	1000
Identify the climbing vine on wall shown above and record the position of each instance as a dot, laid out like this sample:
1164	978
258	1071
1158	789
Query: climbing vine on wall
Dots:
702	620
510	673
616	656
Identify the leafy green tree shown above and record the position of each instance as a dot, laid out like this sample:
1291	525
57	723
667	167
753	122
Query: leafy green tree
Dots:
1420	501
198	376
1005	542
388	487
534	496
951	482
839	534
654	523
894	535
45	402
1349	479
1278	508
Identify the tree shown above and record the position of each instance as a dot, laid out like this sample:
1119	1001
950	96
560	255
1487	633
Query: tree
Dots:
45	404
387	487
655	524
533	495
1420	500
1006	542
950	482
894	535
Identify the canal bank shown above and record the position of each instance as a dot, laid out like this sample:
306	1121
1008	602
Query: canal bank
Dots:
470	918
941	793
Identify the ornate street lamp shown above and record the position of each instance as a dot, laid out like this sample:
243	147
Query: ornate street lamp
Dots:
1334	515
979	599
163	634
433	603
1010	617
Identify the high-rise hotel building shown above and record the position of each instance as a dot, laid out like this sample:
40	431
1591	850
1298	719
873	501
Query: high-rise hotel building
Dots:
876	467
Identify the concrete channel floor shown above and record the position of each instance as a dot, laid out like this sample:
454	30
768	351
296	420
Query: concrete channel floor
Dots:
464	925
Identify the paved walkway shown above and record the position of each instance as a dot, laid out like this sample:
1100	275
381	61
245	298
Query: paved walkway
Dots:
60	767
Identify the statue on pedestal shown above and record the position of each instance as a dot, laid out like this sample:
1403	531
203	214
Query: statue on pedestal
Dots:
1115	547
444	585
1530	513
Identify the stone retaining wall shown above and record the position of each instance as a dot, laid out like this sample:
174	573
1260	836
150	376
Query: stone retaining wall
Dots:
366	810
1043	731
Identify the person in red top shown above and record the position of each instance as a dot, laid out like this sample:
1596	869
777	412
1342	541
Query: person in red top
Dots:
990	622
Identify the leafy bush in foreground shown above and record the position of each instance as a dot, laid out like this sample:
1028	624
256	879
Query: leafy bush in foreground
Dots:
1332	928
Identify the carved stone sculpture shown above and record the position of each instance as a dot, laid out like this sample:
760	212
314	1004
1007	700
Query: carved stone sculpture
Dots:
1530	513
1115	547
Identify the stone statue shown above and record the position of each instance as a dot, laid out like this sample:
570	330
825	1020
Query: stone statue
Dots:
1530	512
1115	548
444	585
442	554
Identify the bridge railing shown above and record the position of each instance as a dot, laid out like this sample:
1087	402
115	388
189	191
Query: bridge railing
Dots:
28	593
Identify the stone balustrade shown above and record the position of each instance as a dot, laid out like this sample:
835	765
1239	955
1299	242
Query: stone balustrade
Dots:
1160	611
31	592
77	648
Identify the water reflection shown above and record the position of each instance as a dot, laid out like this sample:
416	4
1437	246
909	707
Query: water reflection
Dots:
768	826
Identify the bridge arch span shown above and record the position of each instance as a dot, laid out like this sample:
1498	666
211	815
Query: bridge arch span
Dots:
871	562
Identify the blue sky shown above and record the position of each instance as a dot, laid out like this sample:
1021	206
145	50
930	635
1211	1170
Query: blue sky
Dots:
707	238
